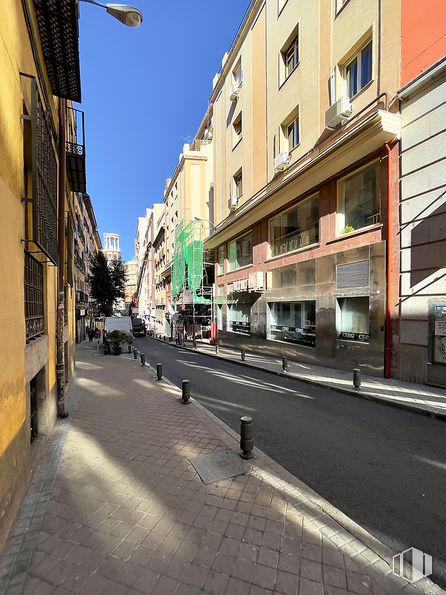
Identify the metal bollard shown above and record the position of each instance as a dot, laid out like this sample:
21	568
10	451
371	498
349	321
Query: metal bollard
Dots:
159	371
143	359
129	348
185	392
284	364
135	353
217	349
357	378
246	438
194	344
164	338
242	355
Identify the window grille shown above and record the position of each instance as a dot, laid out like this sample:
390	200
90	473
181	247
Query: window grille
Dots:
34	307
44	199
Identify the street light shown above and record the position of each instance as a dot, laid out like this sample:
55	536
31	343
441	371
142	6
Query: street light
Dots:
128	15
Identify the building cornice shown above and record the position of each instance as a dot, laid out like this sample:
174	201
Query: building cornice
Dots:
436	70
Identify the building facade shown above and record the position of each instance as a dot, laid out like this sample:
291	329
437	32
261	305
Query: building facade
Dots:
145	255
305	175
86	244
131	272
423	191
39	146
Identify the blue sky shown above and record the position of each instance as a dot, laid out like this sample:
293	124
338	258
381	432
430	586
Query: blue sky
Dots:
144	93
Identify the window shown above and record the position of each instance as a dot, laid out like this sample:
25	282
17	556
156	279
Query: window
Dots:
290	56
237	77
296	228
293	322
237	129
352	318
340	4
221	259
358	72
239	316
358	204
292	134
34	304
240	252
280	5
238	184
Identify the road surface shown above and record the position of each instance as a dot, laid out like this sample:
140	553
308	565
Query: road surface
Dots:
383	467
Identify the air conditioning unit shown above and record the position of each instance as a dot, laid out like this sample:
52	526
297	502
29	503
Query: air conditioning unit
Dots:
235	92
338	113
281	161
256	281
232	203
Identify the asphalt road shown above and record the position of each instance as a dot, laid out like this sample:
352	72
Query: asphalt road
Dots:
383	467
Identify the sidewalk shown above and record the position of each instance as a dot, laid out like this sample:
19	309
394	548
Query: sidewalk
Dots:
116	507
406	395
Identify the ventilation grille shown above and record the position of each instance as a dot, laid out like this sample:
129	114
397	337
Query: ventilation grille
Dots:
355	274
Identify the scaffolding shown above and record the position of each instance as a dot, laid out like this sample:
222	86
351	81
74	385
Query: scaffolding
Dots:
189	273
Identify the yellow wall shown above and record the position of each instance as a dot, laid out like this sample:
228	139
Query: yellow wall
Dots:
17	359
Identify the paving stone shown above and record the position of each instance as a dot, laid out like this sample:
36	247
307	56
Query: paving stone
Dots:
237	587
243	569
334	577
215	583
223	563
311	570
287	583
268	557
308	587
164	586
195	575
205	557
264	577
146	580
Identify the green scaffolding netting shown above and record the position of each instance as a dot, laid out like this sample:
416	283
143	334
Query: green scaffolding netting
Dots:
188	255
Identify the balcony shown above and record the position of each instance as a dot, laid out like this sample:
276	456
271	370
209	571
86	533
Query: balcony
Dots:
78	261
75	148
81	297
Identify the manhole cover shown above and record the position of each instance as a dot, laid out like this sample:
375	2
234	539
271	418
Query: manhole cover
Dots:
219	465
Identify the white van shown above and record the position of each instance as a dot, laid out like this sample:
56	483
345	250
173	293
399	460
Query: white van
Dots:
118	323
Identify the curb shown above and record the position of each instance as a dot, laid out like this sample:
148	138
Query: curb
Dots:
367	539
346	391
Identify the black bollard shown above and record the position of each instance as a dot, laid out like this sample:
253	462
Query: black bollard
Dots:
135	353
143	359
129	348
284	364
357	378
242	355
246	437
185	392
194	344
159	371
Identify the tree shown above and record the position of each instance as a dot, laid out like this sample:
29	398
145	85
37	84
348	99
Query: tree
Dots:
107	282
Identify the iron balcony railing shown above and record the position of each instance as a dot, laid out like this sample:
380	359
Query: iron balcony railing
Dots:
79	262
75	149
34	306
81	297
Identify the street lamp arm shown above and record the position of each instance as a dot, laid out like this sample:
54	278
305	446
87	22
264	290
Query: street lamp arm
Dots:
128	15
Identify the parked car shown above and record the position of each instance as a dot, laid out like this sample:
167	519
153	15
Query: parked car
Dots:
138	326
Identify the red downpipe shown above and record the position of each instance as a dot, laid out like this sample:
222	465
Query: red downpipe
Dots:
389	252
